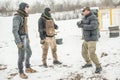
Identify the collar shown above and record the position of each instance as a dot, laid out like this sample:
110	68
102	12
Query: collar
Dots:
45	16
22	13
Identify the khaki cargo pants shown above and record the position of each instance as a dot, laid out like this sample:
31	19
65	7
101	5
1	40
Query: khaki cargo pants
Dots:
88	52
49	41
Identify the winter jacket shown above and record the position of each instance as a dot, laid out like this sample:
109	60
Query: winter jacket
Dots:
90	24
41	26
18	22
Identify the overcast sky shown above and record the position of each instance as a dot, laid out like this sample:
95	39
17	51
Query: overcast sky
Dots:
56	1
30	2
46	1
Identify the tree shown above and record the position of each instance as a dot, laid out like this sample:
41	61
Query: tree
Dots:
37	7
6	8
107	3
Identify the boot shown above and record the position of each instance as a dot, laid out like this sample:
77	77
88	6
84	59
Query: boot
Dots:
87	65
98	69
23	76
45	65
30	70
57	62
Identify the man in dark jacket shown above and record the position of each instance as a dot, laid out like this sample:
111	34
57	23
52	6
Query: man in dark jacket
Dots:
46	30
20	32
89	24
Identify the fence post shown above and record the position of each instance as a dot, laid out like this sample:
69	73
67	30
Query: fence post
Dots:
99	19
110	16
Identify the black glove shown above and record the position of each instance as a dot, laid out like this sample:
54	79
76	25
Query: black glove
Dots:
79	24
56	27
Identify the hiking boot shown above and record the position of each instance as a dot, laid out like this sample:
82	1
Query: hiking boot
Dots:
45	65
30	70
98	70
57	62
23	76
87	65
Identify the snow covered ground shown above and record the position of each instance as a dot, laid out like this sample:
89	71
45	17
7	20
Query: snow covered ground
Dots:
69	53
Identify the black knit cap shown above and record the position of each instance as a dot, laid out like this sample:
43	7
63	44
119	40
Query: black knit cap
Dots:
86	8
22	5
47	9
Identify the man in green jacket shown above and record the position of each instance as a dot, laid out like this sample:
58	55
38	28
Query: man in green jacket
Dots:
46	28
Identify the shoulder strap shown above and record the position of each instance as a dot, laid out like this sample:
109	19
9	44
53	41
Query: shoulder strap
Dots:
25	25
43	18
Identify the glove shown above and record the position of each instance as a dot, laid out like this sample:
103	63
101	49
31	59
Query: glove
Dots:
20	45
56	27
79	24
42	41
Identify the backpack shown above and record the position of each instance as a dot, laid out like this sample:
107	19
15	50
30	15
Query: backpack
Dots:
49	28
95	12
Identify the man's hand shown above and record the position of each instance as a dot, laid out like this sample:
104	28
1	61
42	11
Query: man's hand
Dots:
56	26
79	24
42	41
20	45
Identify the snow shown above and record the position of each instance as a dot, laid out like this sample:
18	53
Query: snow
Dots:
69	53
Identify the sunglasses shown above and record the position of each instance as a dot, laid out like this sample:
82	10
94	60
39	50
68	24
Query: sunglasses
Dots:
27	6
83	10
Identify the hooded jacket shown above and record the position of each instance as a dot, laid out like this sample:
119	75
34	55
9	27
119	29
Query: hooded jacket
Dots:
90	24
